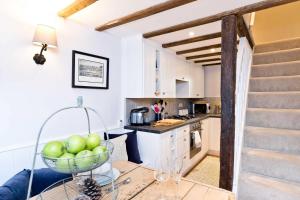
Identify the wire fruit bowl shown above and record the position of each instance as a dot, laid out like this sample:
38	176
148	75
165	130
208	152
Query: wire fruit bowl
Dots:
85	162
70	189
79	165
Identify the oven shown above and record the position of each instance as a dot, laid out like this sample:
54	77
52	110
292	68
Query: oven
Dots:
195	138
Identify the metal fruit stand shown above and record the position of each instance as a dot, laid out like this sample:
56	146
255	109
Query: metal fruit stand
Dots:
71	187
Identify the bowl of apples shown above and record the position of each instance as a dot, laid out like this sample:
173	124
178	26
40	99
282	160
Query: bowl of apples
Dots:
77	154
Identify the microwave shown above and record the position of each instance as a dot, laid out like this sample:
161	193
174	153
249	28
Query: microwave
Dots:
200	108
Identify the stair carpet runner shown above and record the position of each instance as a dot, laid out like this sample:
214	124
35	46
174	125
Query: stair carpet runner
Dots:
270	166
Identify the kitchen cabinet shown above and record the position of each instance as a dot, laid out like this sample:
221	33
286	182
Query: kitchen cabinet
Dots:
149	78
205	126
152	146
182	69
214	135
167	81
149	71
197	81
167	146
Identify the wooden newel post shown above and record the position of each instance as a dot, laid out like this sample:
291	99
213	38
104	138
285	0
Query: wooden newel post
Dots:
228	77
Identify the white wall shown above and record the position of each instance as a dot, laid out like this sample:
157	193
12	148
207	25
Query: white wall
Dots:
212	81
29	93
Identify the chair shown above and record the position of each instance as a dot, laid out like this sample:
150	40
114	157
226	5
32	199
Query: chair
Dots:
16	187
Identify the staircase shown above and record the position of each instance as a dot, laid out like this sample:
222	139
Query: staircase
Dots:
270	166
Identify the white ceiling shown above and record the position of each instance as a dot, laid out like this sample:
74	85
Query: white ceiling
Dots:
107	10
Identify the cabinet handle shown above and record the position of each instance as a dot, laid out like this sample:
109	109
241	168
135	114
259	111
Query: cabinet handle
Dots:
184	130
163	93
184	157
184	139
197	95
183	78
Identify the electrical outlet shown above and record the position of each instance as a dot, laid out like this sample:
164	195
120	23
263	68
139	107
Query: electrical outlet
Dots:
180	105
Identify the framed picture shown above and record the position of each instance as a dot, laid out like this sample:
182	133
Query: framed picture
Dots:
89	71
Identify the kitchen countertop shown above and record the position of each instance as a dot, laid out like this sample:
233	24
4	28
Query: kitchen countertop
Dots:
162	129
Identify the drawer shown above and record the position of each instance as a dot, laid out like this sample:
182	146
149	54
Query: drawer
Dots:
183	131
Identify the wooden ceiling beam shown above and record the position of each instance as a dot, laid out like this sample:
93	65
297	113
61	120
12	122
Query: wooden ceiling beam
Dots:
207	60
193	39
211	64
203	55
243	30
143	13
213	18
199	49
75	7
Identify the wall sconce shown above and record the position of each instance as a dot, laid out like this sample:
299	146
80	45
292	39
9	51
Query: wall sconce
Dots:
44	36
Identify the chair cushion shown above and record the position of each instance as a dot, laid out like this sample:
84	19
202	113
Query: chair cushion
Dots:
6	193
120	152
45	177
131	146
16	187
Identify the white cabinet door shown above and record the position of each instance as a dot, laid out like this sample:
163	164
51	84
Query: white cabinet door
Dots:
132	64
215	135
205	134
167	75
182	139
182	69
154	146
197	81
149	72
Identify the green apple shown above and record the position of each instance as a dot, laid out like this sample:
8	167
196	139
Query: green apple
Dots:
75	144
93	140
84	159
65	163
53	149
100	154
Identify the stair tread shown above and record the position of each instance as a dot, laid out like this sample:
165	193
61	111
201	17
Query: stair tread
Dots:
279	131
275	77
271	153
274	109
274	139
277	51
279	44
277	56
271	182
276	64
275	92
274	99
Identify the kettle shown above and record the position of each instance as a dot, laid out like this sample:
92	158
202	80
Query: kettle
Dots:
137	116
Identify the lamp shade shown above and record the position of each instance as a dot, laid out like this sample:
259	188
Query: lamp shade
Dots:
45	35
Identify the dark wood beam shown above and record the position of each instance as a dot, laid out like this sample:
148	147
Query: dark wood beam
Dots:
203	55
213	18
243	31
143	13
199	49
75	7
211	64
207	60
193	39
228	86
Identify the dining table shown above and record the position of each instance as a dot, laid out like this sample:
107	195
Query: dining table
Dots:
143	186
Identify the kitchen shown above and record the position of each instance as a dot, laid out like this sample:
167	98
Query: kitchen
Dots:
138	72
182	90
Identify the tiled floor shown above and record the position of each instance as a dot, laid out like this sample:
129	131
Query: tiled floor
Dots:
207	171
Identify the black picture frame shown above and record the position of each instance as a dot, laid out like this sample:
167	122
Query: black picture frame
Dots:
87	84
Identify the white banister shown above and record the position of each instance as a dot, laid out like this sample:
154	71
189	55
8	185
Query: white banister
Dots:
243	70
